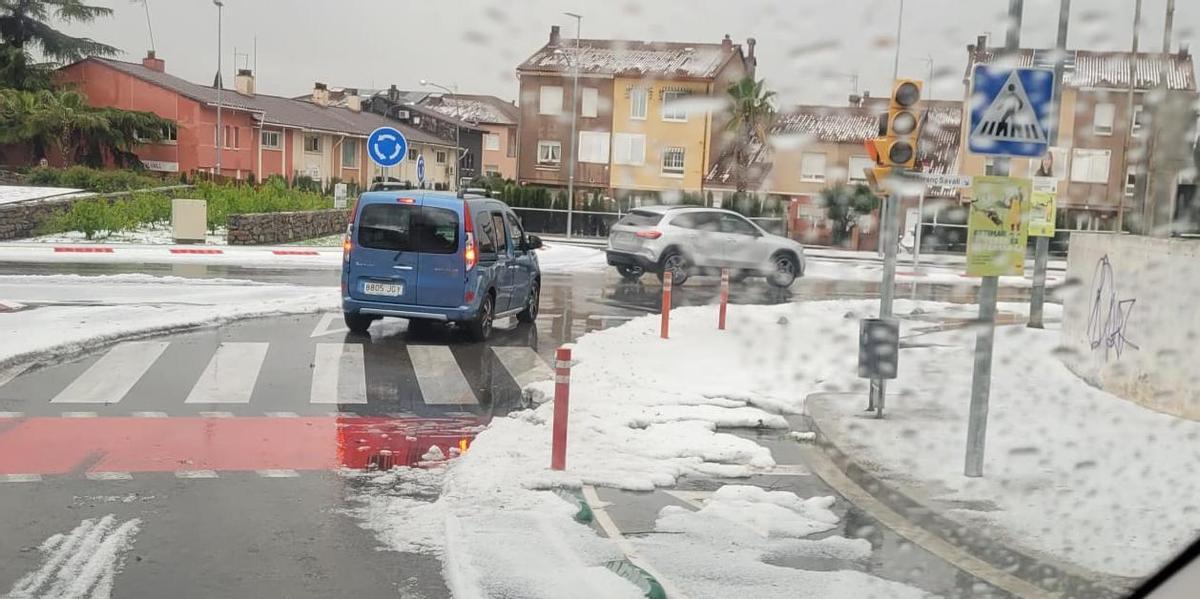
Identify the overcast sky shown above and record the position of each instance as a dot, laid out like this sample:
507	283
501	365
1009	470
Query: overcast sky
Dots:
808	49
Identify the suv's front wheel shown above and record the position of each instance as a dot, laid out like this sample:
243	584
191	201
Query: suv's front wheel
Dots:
675	263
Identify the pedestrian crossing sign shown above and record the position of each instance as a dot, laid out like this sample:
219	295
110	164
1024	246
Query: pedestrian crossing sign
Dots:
1011	111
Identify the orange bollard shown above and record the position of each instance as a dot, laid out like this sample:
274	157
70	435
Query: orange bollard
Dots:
665	329
562	400
724	297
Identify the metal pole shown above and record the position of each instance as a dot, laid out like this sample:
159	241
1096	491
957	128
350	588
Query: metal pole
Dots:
899	28
220	137
981	378
1157	113
574	145
1137	25
916	258
887	287
1041	250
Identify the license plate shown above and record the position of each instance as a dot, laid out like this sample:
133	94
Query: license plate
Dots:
383	289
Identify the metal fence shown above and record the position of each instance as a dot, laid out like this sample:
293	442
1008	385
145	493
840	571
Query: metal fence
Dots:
586	223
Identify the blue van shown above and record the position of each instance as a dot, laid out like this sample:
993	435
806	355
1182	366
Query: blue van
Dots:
436	257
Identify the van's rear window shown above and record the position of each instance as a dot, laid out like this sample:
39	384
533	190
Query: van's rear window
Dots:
406	228
641	218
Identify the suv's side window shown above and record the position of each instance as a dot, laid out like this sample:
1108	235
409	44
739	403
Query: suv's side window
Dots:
515	231
501	237
488	240
697	221
731	223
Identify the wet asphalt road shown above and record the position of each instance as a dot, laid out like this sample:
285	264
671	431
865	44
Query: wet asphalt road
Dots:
247	499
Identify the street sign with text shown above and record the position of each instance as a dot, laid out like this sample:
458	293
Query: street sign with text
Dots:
1011	111
939	179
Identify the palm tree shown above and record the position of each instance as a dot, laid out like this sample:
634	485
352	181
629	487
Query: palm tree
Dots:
63	120
751	115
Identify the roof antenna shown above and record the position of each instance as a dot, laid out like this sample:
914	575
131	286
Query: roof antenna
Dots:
149	28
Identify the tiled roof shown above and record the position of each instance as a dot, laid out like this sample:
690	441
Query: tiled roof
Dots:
836	124
619	57
475	108
274	110
1089	68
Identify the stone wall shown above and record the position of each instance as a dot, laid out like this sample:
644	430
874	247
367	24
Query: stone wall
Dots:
284	227
1131	325
21	220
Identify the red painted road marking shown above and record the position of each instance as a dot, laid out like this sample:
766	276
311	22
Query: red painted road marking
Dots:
195	251
48	446
295	253
83	250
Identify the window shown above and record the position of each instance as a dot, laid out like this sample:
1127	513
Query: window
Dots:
989	167
812	167
589	102
1130	182
512	142
350	153
490	239
629	148
641	218
271	140
857	170
468	160
413	155
515	231
312	144
404	228
549	153
1137	117
491	141
441	157
237	137
732	223
227	136
672	161
491	170
501	233
169	133
593	147
551	100
699	221
672	108
638	98
1102	118
1090	166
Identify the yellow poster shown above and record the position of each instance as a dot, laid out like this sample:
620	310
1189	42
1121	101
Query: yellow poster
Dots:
1041	211
997	227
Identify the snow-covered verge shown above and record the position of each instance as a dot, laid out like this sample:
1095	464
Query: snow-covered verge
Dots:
66	314
1070	470
160	233
644	412
869	270
556	258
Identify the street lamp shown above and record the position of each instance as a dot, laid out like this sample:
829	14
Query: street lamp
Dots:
574	62
457	146
220	86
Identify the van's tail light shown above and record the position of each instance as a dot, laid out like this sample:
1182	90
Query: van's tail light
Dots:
470	252
347	243
650	234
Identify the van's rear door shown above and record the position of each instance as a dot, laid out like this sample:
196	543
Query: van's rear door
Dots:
384	264
443	269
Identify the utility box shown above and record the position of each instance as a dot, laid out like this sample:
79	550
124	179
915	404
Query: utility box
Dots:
189	220
878	348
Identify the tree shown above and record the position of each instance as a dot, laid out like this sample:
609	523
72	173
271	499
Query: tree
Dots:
25	23
843	206
81	133
751	116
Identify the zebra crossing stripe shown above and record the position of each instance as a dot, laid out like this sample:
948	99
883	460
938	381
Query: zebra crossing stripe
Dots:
339	374
230	375
114	374
523	364
439	377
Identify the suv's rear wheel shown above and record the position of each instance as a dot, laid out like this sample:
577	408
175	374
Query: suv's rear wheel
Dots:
529	314
481	328
630	272
675	263
357	323
784	270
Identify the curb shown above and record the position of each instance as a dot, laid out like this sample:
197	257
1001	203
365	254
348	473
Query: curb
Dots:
624	568
1069	580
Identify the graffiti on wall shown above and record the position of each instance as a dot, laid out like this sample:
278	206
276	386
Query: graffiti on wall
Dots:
1108	320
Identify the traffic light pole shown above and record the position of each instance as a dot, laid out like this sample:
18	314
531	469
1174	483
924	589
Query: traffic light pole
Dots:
887	291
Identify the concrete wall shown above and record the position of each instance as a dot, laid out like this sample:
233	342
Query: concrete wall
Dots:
1131	325
284	227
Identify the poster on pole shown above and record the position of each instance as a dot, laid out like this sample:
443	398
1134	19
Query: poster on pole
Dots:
997	227
1042	207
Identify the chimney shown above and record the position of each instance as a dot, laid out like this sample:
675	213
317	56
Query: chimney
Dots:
320	95
1184	50
981	43
243	82
726	44
393	94
154	63
353	100
554	35
750	42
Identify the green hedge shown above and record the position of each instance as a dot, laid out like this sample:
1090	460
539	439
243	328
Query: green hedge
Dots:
98	180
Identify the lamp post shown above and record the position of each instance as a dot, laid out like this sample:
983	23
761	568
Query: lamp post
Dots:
220	86
574	60
457	145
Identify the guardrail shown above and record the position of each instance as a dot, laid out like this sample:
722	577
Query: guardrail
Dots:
590	223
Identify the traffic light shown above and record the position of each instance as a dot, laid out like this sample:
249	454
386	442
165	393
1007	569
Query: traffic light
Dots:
896	146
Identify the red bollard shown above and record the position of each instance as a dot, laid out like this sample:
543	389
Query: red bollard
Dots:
724	297
562	397
665	329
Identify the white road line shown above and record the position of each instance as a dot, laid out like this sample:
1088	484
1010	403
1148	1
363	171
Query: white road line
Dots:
11	414
195	474
278	473
441	380
149	414
20	478
696	499
787	470
280	414
108	476
523	364
325	326
114	374
230	375
216	414
339	374
78	414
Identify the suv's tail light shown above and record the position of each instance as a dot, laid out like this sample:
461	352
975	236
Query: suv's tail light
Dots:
347	243
649	234
470	252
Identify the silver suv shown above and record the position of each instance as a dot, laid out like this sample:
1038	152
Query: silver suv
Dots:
687	241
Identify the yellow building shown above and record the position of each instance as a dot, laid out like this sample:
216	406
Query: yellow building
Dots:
660	140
